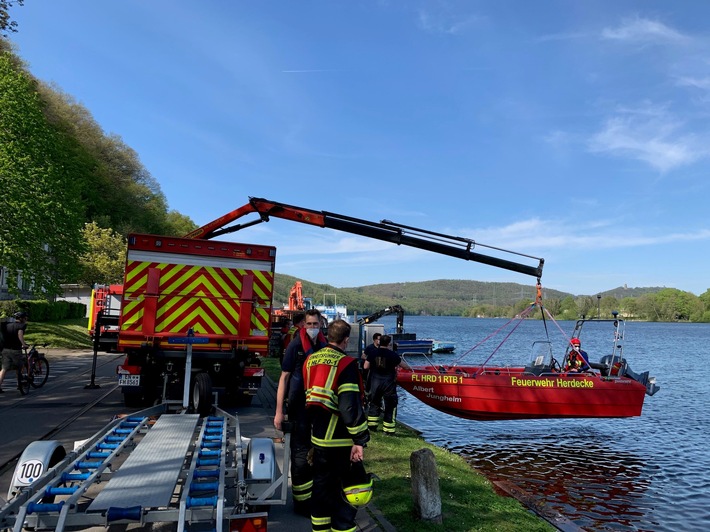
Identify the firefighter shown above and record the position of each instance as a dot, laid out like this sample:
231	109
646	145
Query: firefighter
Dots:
381	364
291	399
334	402
577	360
298	322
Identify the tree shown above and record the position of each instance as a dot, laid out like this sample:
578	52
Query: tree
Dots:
6	23
179	224
104	258
629	308
40	215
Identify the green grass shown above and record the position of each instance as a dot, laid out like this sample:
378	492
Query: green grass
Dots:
272	367
468	499
64	334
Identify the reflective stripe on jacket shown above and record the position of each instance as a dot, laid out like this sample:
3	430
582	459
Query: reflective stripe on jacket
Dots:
334	399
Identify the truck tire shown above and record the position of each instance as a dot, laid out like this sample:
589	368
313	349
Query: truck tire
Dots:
202	394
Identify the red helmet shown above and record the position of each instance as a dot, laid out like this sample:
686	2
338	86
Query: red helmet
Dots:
575	341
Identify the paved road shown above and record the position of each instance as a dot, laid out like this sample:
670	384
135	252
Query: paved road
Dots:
64	409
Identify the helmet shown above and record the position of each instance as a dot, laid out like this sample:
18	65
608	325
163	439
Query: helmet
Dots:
357	485
575	341
20	315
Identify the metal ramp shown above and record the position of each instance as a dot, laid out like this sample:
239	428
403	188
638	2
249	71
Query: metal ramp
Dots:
148	477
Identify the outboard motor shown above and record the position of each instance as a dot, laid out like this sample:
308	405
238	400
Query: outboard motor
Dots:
620	367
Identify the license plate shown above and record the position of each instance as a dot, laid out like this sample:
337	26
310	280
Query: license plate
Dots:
129	380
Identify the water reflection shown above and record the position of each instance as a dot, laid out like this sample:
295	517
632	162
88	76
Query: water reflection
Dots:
584	481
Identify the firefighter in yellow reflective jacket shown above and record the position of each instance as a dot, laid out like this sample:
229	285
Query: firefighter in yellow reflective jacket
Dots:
334	402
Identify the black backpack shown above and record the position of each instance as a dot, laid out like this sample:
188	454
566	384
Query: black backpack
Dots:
3	332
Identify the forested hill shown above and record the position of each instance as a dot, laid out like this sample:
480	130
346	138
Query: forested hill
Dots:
442	297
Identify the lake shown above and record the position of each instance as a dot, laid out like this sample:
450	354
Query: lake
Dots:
646	473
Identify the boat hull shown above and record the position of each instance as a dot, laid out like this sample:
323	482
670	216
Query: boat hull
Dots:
512	393
416	347
442	347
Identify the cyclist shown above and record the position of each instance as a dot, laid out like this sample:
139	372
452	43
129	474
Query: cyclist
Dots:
12	356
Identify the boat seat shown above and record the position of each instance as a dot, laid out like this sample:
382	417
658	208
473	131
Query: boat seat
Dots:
603	368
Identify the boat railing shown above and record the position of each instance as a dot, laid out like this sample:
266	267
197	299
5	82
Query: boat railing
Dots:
454	369
418	366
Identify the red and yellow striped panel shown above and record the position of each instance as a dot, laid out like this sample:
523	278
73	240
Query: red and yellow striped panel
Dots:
204	298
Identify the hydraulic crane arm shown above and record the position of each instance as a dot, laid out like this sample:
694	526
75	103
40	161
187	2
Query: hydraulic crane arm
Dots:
385	230
394	309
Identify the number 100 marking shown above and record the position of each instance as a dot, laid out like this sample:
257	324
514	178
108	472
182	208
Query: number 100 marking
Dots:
30	471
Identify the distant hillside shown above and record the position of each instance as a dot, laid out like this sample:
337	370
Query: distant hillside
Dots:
623	291
442	297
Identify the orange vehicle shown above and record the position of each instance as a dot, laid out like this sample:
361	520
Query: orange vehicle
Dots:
104	315
209	299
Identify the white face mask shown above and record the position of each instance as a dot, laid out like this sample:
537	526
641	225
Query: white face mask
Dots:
312	333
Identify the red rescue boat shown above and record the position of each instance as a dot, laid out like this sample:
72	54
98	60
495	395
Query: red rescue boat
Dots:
543	389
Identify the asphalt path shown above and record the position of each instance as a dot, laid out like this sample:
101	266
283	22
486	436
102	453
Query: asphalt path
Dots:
70	407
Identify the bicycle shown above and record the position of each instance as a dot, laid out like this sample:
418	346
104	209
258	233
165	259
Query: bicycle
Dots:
34	372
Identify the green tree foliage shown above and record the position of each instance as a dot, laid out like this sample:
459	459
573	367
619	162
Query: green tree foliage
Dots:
179	224
7	25
40	211
105	257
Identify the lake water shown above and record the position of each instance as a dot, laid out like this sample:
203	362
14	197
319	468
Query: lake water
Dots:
646	473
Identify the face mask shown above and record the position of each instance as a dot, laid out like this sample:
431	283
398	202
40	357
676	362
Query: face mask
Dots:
312	333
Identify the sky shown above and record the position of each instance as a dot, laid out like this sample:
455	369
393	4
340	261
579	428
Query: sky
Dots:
573	131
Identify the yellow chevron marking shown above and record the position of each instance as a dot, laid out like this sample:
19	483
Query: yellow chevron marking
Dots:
257	286
136	277
195	319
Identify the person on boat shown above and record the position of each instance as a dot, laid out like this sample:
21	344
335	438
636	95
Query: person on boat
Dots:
291	400
577	359
334	403
382	366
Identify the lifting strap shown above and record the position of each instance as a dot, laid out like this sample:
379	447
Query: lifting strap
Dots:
538	302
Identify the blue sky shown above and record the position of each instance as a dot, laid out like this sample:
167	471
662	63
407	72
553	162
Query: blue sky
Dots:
573	131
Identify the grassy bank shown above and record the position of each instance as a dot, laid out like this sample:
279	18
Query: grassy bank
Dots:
468	499
65	334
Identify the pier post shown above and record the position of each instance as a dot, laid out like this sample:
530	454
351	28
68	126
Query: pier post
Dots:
425	486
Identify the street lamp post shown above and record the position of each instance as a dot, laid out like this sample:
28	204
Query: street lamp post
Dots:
599	306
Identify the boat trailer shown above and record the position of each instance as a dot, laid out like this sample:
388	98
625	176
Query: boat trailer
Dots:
151	467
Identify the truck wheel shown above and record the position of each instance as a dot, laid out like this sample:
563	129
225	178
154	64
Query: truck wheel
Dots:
202	394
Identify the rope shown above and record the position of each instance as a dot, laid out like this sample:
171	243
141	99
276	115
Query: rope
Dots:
520	318
494	333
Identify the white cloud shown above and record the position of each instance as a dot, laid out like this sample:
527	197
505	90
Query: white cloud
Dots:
445	22
642	30
698	83
540	234
648	134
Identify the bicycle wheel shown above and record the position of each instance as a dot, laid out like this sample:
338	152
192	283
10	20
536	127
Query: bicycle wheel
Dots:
23	380
40	372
